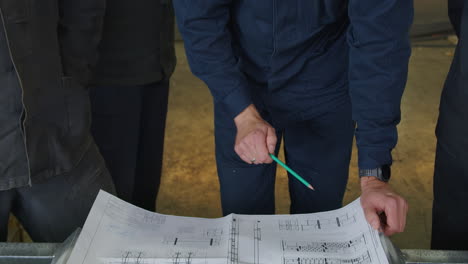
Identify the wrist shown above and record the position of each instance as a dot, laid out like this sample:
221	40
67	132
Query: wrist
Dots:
370	182
248	114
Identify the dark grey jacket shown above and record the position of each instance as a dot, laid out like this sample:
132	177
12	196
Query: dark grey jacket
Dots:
46	50
137	45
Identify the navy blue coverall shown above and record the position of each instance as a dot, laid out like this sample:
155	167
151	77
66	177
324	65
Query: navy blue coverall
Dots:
449	212
312	68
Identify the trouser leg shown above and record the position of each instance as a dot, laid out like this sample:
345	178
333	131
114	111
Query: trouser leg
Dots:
450	212
50	211
6	201
245	188
151	144
320	150
115	126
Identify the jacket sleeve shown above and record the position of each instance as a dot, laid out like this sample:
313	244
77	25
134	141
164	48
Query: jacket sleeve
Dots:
378	64
208	45
79	31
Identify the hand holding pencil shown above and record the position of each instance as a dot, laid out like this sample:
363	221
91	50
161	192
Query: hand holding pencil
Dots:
256	140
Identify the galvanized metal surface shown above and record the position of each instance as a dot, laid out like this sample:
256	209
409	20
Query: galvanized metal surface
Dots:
435	256
27	253
38	253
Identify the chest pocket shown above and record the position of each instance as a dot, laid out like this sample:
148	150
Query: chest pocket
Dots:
313	14
15	11
17	18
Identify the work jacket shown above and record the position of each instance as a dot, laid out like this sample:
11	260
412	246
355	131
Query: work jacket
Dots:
303	58
137	45
452	127
46	49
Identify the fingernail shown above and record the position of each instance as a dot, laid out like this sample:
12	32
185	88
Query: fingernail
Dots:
375	224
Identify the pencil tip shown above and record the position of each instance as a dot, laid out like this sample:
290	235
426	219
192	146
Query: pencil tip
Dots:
310	187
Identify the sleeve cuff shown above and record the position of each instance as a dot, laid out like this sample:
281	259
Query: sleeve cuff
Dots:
236	101
371	158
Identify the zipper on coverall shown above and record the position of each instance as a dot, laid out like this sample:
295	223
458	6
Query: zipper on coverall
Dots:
23	112
274	28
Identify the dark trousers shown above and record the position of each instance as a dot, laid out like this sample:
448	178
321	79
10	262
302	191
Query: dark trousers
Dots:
450	212
319	150
128	126
50	211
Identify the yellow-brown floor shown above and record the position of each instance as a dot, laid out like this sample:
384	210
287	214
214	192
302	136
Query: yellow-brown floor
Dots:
190	185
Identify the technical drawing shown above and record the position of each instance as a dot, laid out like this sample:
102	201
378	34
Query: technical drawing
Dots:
210	237
233	251
257	238
176	257
182	258
363	259
350	246
129	257
316	224
150	218
119	233
135	219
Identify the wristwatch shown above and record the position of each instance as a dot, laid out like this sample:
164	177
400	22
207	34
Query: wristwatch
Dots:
383	173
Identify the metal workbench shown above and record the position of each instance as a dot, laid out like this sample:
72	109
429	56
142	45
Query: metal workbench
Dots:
49	253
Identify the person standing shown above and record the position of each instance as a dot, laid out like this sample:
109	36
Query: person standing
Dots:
50	167
129	95
302	71
449	212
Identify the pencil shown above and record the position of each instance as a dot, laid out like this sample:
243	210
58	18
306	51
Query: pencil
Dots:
293	173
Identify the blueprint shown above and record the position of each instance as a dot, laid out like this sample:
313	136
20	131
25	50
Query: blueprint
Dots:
119	233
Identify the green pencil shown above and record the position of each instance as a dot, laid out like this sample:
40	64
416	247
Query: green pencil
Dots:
292	172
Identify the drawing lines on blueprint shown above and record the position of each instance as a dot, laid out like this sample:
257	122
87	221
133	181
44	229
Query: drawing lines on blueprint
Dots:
351	246
129	257
257	238
210	237
188	257
135	219
182	258
176	257
119	233
233	250
316	224
362	259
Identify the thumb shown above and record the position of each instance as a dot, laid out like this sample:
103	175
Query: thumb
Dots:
271	139
372	218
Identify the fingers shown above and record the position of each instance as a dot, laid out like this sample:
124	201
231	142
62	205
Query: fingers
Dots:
385	209
372	218
261	149
246	152
393	217
396	209
403	210
271	140
251	145
404	213
252	149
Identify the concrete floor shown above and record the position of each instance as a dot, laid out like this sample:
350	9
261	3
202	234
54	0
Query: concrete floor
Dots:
190	185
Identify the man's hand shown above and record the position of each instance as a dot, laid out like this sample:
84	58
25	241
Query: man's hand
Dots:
384	209
255	139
